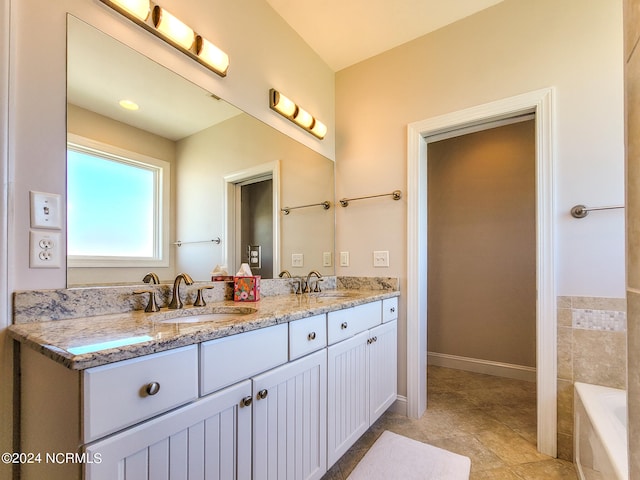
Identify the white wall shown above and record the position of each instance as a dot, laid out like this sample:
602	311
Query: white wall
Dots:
515	47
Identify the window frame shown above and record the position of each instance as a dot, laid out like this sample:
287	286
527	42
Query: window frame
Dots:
162	198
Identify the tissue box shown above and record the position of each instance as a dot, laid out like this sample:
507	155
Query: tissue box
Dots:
246	289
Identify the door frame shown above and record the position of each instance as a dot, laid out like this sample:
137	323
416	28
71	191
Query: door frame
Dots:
539	102
231	208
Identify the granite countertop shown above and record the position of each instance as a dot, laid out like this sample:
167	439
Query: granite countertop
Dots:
82	343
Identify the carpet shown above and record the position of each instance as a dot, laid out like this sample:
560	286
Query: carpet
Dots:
393	456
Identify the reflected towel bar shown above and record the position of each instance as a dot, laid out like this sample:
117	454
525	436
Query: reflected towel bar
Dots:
216	240
396	195
326	205
580	211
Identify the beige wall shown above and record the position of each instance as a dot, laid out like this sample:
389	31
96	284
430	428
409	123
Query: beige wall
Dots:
632	102
239	144
481	236
515	47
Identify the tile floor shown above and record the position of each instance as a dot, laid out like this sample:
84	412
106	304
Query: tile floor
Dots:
492	420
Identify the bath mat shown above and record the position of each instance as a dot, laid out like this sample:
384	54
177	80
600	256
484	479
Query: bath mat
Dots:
395	456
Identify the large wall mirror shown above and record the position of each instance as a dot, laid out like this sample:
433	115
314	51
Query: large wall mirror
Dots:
155	188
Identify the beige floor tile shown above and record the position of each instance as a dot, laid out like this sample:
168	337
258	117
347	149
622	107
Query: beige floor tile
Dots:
491	420
548	470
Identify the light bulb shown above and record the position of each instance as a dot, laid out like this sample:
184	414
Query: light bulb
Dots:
172	28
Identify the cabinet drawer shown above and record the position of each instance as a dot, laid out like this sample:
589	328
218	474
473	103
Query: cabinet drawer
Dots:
228	360
350	321
307	335
389	309
124	393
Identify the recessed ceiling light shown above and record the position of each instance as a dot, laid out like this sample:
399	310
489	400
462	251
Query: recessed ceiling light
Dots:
128	105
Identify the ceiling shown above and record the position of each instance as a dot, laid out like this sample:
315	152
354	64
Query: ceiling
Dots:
345	32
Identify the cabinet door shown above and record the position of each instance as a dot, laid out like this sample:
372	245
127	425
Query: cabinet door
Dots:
383	368
210	438
347	394
290	420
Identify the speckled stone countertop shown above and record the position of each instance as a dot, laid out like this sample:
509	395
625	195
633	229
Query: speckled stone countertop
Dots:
102	339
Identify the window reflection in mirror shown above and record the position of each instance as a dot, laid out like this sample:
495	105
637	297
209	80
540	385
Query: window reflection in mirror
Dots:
203	139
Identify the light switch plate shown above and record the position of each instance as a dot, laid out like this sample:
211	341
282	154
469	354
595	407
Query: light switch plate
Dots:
297	260
326	259
381	258
45	210
344	259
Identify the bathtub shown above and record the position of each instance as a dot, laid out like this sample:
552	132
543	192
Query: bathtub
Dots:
600	433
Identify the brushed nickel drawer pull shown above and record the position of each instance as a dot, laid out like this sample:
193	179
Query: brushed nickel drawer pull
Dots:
246	401
311	336
343	326
262	394
152	388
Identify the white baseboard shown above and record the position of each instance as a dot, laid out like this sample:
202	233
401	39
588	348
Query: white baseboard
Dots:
399	406
487	367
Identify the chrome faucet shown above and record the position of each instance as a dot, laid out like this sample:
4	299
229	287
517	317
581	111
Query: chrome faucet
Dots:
176	303
151	278
308	285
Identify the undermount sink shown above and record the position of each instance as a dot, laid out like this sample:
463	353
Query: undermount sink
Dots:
218	313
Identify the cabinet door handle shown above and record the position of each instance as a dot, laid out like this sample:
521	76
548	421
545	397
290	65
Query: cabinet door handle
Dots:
369	340
375	339
343	326
393	309
246	401
311	336
262	394
152	388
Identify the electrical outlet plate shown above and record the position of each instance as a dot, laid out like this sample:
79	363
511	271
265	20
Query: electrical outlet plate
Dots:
344	259
44	249
381	258
297	260
45	210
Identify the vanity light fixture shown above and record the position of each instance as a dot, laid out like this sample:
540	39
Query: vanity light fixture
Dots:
172	30
140	9
288	109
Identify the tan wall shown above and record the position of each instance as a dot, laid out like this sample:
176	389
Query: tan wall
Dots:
481	244
632	102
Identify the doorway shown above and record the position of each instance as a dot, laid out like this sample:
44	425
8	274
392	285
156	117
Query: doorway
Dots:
256	226
540	103
481	299
252	224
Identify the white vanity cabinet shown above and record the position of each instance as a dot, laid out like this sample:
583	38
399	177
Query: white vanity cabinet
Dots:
362	373
290	420
283	401
210	438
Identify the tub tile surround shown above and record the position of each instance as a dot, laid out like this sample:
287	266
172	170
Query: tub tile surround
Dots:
54	321
592	336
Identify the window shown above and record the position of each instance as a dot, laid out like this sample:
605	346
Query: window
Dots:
117	205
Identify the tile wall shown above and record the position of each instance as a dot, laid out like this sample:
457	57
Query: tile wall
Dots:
631	15
592	346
